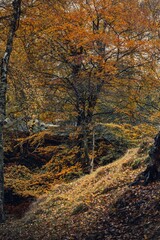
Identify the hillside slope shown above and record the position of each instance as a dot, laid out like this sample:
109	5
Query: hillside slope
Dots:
35	163
97	206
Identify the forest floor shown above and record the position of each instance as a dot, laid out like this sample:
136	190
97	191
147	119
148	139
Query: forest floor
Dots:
100	205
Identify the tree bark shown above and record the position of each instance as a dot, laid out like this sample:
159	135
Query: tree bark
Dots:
152	172
93	151
16	4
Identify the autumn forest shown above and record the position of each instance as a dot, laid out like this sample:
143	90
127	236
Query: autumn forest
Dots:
79	119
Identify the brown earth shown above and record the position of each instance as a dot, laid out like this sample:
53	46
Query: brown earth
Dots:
96	206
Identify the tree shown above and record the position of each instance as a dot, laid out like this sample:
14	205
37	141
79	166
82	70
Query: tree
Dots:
152	172
14	23
109	52
108	57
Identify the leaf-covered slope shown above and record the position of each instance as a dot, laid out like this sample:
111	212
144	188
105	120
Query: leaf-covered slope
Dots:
34	164
96	206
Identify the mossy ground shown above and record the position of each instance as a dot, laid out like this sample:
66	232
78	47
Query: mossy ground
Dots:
100	205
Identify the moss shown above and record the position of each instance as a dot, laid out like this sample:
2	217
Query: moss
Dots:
80	208
136	163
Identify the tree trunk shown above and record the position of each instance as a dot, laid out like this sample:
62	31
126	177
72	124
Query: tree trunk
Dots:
86	161
84	119
3	88
152	172
93	151
1	178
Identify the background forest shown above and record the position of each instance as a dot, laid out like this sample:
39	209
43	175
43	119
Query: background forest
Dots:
81	61
82	88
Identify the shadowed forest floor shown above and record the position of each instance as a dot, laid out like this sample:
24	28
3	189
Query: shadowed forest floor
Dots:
96	206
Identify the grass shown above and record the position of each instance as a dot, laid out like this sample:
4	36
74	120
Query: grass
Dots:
76	207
